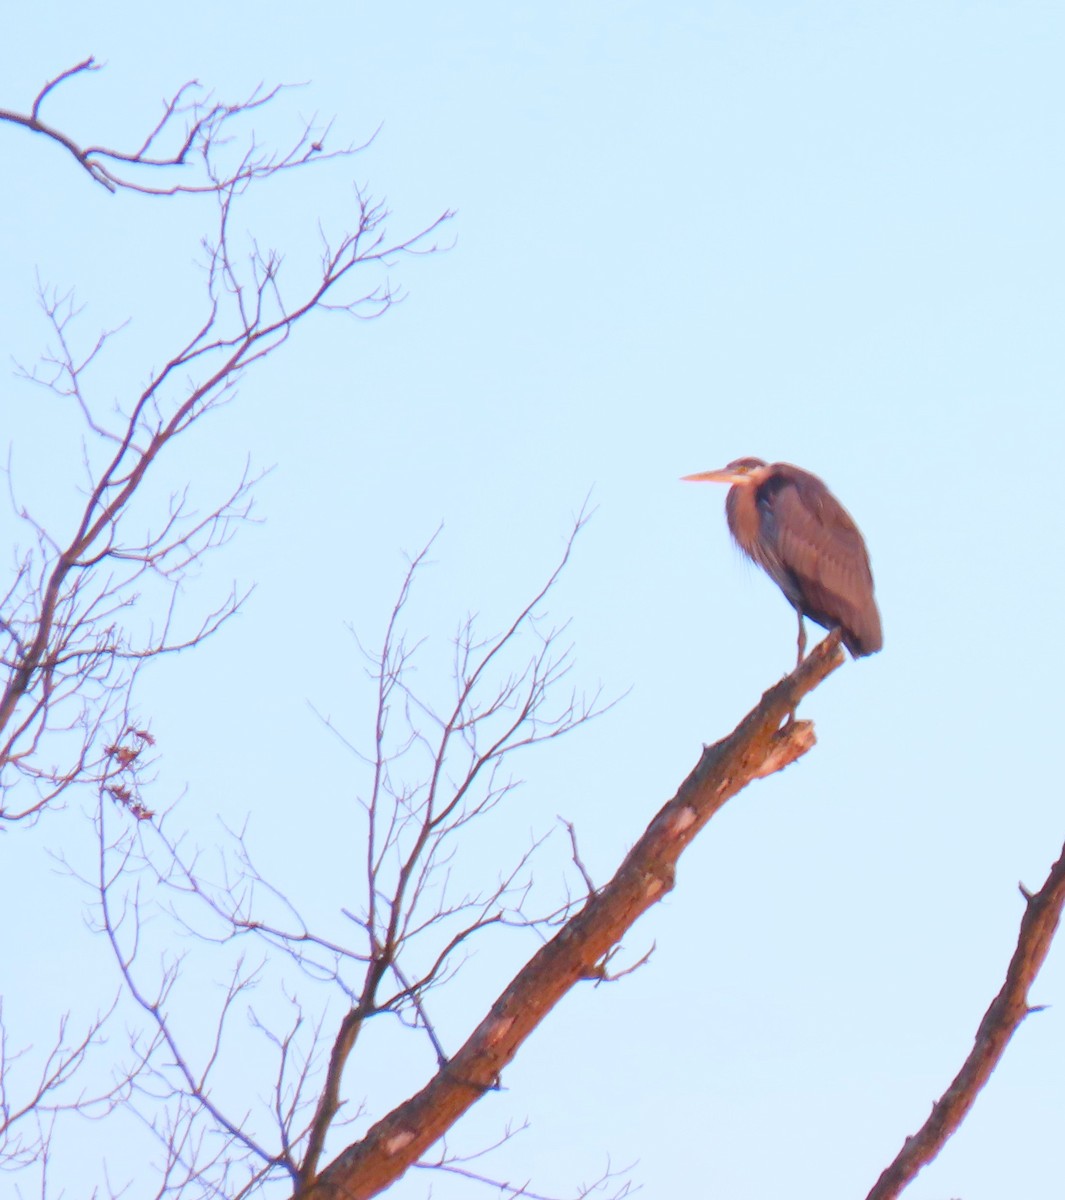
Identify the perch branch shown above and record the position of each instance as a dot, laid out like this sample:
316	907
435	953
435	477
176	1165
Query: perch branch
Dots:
765	736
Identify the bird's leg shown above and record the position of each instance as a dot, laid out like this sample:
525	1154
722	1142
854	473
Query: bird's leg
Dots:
798	663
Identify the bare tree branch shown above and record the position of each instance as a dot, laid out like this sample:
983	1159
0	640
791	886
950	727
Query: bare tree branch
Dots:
1002	1019
180	153
411	828
68	658
31	1105
424	792
759	743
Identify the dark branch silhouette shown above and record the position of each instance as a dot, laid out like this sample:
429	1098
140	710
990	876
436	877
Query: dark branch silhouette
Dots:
183	151
68	658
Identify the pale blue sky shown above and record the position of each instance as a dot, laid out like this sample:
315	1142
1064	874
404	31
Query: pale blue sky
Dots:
826	233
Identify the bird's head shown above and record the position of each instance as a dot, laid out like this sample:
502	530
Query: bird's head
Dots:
739	471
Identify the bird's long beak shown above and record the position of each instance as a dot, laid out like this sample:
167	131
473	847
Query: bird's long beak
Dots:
722	476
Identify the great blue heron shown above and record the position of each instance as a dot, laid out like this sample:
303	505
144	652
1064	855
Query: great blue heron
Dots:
798	532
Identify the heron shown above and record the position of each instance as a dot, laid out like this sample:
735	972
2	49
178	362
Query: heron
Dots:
789	523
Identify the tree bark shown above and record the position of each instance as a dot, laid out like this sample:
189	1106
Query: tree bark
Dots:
1000	1022
757	747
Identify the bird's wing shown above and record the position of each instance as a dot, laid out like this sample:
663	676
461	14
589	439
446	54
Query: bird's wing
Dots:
817	544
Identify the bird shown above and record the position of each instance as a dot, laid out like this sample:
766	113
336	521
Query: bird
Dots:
787	521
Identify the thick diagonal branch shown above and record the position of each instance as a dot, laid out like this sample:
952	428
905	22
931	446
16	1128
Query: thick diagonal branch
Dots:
757	747
1007	1011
